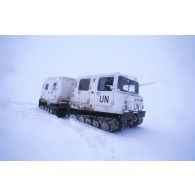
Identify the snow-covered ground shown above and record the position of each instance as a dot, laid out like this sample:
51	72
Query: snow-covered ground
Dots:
28	133
33	134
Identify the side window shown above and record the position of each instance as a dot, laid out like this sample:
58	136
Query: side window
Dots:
105	84
84	84
54	87
46	86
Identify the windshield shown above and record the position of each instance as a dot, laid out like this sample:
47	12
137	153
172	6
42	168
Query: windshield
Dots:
128	85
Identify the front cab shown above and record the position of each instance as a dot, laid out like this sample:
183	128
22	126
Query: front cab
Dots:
110	94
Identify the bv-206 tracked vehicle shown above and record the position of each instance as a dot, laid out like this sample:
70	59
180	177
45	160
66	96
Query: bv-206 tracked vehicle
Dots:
110	102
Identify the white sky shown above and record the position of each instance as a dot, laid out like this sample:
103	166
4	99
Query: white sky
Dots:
26	60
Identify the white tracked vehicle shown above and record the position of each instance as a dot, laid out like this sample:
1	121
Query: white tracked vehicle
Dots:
110	102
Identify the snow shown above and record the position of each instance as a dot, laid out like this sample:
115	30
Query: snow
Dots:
164	66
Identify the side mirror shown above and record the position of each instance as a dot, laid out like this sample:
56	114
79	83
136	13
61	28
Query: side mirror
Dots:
132	88
110	86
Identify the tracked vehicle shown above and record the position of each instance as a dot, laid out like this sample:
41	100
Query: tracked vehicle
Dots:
110	102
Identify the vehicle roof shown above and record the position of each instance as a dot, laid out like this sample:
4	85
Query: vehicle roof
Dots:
60	78
131	77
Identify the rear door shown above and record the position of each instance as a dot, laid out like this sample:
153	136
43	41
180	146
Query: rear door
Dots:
45	90
54	91
104	95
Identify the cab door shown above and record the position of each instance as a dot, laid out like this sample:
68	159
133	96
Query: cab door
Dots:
84	92
104	95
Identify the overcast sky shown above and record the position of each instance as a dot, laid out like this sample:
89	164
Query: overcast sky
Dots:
26	60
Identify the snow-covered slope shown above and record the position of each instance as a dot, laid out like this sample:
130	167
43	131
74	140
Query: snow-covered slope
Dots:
28	133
